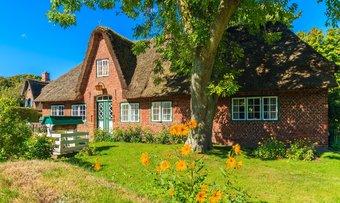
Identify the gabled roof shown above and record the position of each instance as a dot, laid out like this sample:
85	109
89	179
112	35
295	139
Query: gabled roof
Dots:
63	88
35	85
287	64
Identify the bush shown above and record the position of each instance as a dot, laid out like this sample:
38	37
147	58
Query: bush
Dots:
14	132
270	148
28	114
182	177
102	136
301	149
39	147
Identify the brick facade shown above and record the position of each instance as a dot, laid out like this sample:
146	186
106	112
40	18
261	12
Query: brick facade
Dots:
302	113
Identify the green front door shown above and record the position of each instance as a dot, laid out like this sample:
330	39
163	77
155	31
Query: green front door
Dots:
104	115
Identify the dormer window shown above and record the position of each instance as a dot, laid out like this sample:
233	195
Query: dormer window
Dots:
102	68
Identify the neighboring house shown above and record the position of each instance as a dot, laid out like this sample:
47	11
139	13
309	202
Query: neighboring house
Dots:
283	90
32	89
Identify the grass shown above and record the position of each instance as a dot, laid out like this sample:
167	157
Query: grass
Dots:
270	181
47	181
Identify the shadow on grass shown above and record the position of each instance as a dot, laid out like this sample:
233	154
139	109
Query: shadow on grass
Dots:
223	151
103	148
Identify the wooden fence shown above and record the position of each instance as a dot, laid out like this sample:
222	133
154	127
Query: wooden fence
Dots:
69	142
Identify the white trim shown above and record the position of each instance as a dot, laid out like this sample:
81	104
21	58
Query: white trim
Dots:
100	64
78	110
58	112
130	115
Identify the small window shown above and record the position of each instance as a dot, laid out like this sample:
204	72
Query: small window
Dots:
103	68
79	110
129	112
254	108
239	108
57	110
161	111
270	108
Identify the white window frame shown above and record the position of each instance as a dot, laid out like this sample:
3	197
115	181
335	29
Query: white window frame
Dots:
100	68
161	111
77	111
247	105
276	108
131	118
58	111
245	108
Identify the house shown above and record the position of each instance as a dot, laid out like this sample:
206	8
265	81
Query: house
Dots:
283	90
32	89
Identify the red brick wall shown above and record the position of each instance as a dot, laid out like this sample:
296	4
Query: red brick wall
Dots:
301	114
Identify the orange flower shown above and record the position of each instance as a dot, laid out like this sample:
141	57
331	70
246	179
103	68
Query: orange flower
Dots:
181	165
165	165
239	165
171	192
186	149
204	187
231	162
215	196
159	169
145	159
96	166
237	149
192	124
182	130
201	196
173	130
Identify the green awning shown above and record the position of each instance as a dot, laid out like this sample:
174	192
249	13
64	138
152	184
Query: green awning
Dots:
62	120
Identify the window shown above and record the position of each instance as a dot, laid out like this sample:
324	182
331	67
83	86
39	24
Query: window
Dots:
28	103
270	108
102	67
79	110
239	108
161	111
57	110
255	108
129	112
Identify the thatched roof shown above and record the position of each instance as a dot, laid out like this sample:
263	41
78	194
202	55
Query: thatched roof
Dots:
63	88
287	64
35	86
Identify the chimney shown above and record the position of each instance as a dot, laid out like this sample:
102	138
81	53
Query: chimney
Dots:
45	77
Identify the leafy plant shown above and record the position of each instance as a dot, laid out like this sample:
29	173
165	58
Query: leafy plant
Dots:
184	180
270	148
39	147
14	132
301	149
102	136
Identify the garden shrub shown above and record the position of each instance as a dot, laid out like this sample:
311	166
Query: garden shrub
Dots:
270	148
87	151
39	147
184	180
14	132
102	136
133	134
28	114
301	149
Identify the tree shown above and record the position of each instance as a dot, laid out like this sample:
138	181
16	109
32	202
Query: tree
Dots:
188	33
328	45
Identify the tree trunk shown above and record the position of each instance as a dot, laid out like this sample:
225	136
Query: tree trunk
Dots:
203	104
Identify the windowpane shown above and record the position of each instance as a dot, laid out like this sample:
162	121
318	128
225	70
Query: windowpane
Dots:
103	68
156	111
129	112
166	111
238	108
254	108
79	110
57	110
270	108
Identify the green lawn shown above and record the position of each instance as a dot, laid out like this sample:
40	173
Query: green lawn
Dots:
271	181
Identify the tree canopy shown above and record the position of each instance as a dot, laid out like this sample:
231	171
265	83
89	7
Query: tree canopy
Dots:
189	34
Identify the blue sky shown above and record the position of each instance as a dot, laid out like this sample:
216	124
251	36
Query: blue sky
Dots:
30	44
